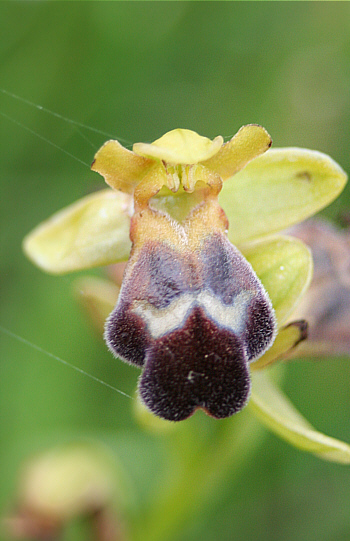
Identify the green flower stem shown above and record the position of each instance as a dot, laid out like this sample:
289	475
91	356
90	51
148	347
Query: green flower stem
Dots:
202	468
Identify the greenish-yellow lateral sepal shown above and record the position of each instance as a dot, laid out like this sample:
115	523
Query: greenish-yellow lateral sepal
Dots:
278	189
92	232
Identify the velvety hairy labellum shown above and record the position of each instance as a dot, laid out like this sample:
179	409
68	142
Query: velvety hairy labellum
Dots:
193	320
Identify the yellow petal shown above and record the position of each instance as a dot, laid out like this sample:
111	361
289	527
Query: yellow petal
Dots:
287	339
180	147
279	189
93	231
248	143
284	266
121	168
279	415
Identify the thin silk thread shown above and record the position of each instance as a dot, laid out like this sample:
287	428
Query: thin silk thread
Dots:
66	363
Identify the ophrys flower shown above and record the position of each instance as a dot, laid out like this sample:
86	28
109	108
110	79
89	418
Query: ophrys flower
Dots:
192	311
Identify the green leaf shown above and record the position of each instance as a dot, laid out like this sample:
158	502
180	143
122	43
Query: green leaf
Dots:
275	410
93	231
278	189
284	266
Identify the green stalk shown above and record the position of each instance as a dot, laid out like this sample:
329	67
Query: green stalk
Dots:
202	470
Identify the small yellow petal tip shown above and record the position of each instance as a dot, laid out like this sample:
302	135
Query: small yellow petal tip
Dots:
121	168
287	339
249	142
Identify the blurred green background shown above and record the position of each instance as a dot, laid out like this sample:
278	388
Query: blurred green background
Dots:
136	70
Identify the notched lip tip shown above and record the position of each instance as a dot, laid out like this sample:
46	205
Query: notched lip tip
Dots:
203	409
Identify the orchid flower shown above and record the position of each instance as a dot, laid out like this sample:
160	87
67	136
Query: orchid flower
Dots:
210	284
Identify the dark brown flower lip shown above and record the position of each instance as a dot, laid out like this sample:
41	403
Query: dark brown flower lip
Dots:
193	322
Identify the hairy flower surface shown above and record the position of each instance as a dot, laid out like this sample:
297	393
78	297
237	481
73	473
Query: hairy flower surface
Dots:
208	286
